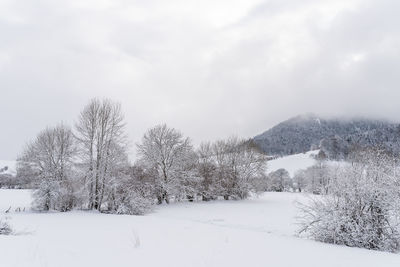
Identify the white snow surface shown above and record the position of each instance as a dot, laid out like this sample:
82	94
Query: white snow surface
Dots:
12	166
255	232
293	163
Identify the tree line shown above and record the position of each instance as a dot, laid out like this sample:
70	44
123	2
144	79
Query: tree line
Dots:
87	166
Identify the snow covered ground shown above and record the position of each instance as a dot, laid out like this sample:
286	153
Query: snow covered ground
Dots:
302	161
293	163
14	199
256	232
12	166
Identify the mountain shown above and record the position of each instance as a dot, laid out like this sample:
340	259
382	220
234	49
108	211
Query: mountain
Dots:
335	138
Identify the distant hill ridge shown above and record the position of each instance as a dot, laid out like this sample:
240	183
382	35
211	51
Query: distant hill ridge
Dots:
335	137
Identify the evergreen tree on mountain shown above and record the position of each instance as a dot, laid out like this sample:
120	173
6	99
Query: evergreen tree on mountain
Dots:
335	137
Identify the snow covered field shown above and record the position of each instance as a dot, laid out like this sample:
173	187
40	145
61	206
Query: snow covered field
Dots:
257	232
296	162
293	163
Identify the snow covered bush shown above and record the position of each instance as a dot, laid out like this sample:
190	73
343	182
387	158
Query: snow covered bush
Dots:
134	192
5	228
44	197
361	209
6	181
132	203
55	195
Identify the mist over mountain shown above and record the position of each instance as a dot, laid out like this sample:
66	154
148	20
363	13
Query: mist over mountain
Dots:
336	137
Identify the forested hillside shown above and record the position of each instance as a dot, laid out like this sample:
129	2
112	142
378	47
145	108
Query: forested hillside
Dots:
335	137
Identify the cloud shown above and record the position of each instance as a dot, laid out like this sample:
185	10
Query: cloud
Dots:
209	68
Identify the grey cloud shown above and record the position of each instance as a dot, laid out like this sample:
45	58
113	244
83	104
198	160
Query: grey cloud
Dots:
209	68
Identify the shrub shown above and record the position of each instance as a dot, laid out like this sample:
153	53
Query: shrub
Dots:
5	228
133	204
360	211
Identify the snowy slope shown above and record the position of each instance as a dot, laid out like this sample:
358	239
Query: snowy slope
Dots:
12	167
257	232
293	163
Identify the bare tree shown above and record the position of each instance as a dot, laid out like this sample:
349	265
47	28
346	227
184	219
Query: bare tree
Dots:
318	178
208	187
167	152
300	180
100	131
49	159
134	193
239	167
280	181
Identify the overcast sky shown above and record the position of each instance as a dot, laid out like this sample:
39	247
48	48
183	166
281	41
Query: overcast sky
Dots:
211	68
